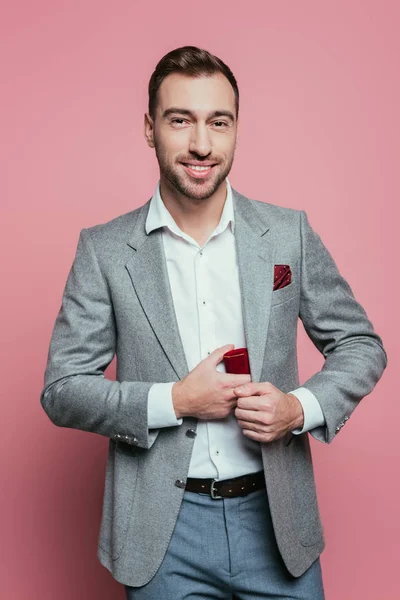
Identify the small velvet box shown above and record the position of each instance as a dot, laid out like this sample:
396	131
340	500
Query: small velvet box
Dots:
237	361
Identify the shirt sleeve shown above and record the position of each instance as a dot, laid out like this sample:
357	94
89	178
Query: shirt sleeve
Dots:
313	415
160	409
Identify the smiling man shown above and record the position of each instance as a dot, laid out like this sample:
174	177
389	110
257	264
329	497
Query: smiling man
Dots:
209	487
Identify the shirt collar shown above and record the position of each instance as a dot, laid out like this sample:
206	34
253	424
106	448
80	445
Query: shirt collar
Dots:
159	215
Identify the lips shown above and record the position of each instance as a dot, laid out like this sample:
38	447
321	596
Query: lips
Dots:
198	164
198	173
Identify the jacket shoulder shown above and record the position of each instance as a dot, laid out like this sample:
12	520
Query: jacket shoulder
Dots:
275	211
268	213
118	228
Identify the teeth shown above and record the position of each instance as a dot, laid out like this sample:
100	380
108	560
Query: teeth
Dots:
198	168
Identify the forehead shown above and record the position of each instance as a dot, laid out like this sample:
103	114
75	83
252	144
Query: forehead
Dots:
200	94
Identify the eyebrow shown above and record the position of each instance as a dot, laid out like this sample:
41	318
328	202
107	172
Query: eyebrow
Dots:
190	113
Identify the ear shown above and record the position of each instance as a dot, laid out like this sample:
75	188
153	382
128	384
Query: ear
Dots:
149	130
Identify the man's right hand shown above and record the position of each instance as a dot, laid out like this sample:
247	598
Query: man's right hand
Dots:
206	393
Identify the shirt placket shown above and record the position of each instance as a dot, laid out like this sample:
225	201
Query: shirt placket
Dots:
205	299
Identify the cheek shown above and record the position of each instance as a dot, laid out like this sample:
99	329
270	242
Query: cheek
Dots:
224	144
172	145
227	153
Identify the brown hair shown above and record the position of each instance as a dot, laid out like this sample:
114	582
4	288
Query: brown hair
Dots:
190	61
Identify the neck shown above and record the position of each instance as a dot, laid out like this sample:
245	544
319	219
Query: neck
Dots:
197	218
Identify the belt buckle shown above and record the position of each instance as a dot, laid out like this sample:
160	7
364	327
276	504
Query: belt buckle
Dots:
213	491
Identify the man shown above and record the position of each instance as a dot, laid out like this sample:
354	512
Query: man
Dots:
209	487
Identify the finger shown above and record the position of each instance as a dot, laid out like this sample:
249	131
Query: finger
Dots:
251	402
252	416
216	356
265	438
253	426
253	389
235	380
254	435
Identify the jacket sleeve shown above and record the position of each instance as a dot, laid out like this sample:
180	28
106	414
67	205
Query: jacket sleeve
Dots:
76	393
339	327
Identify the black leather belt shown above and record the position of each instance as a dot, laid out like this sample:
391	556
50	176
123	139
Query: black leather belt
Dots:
227	488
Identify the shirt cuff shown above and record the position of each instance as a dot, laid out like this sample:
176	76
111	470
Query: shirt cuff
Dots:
160	409
313	415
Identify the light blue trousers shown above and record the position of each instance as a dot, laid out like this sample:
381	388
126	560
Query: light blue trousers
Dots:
226	548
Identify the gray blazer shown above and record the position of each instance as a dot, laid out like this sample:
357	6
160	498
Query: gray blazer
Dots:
117	300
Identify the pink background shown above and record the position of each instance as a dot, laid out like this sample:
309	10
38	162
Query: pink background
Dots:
319	131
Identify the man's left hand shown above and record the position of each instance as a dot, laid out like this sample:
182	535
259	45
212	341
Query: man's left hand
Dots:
265	413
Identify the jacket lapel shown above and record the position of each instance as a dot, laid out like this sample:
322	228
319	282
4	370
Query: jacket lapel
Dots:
148	272
255	255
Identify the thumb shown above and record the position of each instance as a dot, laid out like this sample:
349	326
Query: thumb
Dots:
218	353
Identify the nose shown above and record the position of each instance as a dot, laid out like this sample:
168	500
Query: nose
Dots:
200	142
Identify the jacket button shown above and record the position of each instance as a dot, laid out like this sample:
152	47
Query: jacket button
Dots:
180	483
135	441
191	433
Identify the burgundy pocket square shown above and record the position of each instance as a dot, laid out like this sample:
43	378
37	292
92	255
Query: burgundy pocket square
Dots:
282	276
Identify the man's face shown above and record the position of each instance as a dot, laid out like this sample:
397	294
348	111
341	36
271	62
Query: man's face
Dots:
195	125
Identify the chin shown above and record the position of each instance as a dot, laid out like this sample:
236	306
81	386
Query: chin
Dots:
199	190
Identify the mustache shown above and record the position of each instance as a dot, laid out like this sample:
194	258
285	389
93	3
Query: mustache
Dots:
199	160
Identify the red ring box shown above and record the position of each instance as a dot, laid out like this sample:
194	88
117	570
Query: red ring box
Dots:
237	361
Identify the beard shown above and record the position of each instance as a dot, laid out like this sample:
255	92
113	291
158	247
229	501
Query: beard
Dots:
195	189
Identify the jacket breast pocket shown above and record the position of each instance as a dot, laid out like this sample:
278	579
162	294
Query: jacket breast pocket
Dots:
284	294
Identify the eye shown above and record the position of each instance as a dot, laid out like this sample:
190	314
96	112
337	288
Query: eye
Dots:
178	121
221	123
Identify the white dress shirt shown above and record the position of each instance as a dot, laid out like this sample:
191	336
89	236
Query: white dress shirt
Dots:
207	300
